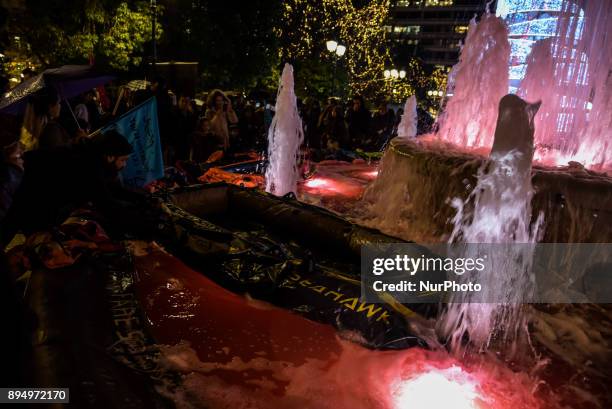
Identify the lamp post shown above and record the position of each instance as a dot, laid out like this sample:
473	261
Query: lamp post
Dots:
337	51
392	75
153	24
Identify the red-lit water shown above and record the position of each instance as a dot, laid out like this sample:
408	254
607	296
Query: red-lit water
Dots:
235	352
337	185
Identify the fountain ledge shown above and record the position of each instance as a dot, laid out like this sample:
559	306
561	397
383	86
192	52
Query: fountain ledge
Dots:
576	202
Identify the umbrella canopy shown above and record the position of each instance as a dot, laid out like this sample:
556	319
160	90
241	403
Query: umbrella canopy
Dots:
68	80
137	85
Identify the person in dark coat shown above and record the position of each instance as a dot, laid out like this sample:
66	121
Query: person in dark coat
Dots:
333	128
310	116
53	133
383	122
58	181
203	142
11	173
358	121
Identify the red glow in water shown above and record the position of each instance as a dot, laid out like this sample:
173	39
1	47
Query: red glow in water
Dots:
438	388
371	174
279	360
316	183
324	186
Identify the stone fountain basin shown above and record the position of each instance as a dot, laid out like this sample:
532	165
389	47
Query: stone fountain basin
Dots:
576	202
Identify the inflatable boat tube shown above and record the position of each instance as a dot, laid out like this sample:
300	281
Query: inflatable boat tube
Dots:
88	336
291	254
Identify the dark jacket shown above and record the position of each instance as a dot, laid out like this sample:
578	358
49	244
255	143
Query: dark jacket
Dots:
358	125
53	135
57	181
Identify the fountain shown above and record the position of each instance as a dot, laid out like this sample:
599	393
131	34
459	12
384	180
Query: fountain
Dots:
568	71
466	185
498	210
407	127
479	81
284	139
577	202
596	145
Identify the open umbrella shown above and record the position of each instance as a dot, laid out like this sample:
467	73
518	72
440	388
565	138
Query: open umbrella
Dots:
68	80
137	85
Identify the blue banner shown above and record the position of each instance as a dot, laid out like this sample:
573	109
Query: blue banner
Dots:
141	129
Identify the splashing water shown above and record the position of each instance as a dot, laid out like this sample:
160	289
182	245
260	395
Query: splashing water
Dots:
284	139
355	378
595	147
480	79
498	211
407	127
557	73
569	72
536	85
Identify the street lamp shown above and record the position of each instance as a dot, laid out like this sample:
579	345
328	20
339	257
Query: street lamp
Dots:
331	46
393	75
339	50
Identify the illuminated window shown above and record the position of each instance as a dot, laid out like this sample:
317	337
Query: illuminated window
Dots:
407	3
438	3
414	29
407	29
461	29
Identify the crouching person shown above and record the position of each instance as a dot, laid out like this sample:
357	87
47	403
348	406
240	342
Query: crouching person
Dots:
58	181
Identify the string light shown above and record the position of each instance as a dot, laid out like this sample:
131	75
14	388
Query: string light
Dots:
306	23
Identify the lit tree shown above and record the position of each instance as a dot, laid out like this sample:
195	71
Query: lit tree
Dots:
307	24
55	32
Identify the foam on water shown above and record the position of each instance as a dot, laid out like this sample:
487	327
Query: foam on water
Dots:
284	139
357	378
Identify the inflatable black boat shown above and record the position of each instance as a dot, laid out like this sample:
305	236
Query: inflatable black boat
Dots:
291	254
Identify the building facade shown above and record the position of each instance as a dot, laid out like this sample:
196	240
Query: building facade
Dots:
431	30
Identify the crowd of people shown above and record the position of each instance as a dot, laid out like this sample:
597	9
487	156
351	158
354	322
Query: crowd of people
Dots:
193	129
43	148
351	125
